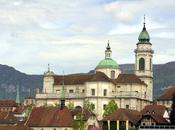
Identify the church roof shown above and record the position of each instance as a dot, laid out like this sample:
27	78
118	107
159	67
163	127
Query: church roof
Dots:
98	76
168	95
80	78
128	78
107	63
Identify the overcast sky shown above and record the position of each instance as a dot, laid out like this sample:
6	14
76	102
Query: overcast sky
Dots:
72	35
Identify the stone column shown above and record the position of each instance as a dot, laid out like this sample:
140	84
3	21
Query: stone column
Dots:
118	124
127	125
108	124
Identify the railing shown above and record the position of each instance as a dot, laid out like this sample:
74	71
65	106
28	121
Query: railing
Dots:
157	127
123	94
58	95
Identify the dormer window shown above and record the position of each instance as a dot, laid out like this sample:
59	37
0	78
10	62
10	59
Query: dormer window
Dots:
147	112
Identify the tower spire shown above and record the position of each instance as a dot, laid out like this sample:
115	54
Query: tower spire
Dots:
17	95
144	22
62	94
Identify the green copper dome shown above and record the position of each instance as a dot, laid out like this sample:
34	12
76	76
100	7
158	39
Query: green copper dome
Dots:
144	36
107	63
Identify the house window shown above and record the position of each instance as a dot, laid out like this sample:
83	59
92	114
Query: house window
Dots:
93	92
127	106
141	64
71	91
145	95
112	74
57	91
104	106
83	90
105	92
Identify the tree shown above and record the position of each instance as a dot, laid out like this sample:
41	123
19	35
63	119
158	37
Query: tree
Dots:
79	123
110	108
172	113
89	105
28	110
70	106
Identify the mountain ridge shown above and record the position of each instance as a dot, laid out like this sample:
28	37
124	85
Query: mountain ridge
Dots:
10	78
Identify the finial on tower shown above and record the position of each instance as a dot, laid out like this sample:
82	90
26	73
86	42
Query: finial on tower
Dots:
108	46
144	21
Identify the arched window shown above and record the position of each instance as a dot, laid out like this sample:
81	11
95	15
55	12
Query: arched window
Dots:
141	64
150	64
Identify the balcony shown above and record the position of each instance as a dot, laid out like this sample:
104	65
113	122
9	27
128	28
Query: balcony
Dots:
58	95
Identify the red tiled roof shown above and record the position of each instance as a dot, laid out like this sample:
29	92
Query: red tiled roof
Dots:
129	78
157	118
18	127
123	115
157	109
168	95
19	109
80	78
42	116
7	103
7	118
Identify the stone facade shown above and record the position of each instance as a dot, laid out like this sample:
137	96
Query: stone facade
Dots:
132	91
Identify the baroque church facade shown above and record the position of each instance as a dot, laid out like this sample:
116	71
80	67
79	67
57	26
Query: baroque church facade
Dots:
132	91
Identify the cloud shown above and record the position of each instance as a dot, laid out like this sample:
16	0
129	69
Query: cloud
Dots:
72	35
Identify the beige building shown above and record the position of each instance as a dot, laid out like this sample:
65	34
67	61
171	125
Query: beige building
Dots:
132	91
166	98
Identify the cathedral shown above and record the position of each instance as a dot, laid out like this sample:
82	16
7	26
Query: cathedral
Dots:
131	91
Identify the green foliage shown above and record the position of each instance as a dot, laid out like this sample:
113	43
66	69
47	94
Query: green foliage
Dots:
70	106
58	105
79	123
89	105
110	107
28	110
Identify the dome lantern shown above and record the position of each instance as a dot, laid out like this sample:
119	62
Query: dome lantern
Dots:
108	62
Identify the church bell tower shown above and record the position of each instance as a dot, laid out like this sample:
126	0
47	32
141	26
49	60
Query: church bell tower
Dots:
143	61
